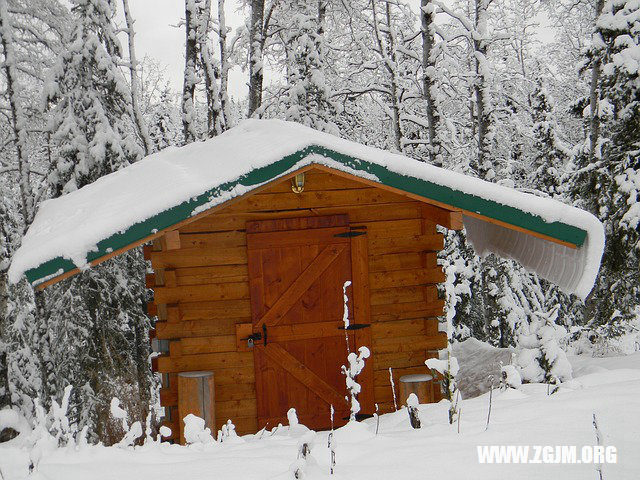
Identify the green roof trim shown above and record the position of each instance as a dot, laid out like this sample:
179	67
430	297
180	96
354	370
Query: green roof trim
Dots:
464	201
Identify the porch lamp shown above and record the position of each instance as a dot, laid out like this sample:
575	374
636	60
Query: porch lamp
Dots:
297	183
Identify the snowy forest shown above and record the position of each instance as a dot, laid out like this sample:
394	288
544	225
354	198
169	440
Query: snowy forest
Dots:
539	95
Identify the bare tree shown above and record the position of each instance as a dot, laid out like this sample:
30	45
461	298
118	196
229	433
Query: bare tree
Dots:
594	97
141	126
224	64
190	75
427	19
256	44
17	118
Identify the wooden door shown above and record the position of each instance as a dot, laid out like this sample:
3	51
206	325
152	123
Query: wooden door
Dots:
297	269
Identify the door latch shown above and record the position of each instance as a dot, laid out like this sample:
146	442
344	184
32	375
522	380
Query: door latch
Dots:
252	338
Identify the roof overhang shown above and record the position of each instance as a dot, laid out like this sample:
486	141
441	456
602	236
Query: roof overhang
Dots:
486	219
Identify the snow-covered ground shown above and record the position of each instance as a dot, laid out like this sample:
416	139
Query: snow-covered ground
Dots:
608	387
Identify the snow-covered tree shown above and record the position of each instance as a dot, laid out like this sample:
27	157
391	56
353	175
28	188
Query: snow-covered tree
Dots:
91	101
540	356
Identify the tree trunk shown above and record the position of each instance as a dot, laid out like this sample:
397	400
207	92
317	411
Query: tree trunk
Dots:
211	74
427	18
482	165
18	122
190	76
141	126
224	65
256	43
388	54
594	97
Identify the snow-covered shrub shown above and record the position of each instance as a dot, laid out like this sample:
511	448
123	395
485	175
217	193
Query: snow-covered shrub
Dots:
412	408
356	365
131	432
195	430
296	429
510	377
448	369
540	356
228	433
12	420
304	460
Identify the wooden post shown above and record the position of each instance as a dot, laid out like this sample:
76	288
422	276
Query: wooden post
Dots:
196	395
421	385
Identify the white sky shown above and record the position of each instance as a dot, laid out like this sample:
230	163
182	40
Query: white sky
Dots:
158	37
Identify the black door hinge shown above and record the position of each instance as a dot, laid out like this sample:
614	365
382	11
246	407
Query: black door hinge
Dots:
355	326
351	234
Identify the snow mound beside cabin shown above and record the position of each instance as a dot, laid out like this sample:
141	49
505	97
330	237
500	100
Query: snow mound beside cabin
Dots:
478	360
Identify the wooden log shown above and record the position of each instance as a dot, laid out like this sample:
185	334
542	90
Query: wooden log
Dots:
419	384
451	219
152	309
196	395
228	239
297	223
409	344
406	278
198	293
171	240
198	257
212	274
406	244
168	397
220	343
400	328
226	221
398	261
400	311
331	198
206	361
197	328
236	391
318	181
403	295
216	310
391	228
382	361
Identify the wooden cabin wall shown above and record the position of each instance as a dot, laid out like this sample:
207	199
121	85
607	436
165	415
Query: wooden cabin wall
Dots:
202	291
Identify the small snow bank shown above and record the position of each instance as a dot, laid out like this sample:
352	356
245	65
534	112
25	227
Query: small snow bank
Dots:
10	419
477	361
610	388
587	364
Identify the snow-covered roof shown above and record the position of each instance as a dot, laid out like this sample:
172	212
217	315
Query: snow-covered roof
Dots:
163	189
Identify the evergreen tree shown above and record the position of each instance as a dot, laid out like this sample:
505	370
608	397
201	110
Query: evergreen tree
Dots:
307	94
95	324
606	183
92	117
551	154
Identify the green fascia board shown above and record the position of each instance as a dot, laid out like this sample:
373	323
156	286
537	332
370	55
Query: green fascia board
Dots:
464	201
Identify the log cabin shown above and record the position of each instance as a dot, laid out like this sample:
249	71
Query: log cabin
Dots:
252	238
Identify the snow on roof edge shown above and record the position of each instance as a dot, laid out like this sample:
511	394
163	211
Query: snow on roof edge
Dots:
202	166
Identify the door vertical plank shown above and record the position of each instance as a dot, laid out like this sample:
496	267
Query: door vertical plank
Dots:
362	315
256	288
